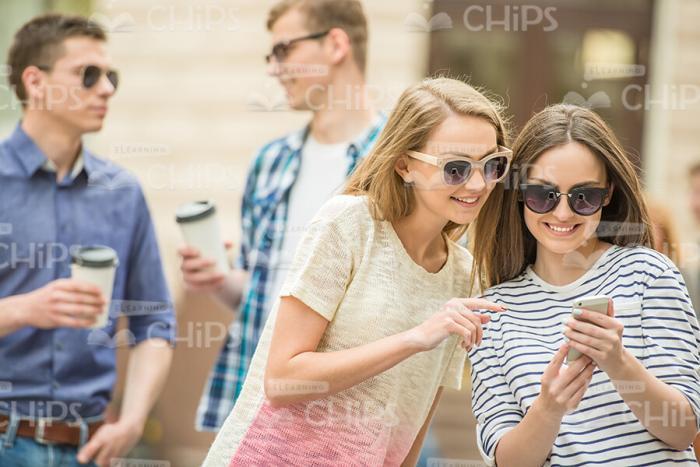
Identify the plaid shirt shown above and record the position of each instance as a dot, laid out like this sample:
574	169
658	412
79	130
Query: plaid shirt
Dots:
264	220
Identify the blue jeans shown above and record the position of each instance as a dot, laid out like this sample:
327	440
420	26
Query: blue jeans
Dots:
16	451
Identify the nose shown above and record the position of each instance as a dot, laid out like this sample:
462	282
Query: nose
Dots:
273	67
105	88
563	211
476	181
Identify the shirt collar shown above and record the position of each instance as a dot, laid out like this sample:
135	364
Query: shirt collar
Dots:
295	141
31	158
78	166
367	137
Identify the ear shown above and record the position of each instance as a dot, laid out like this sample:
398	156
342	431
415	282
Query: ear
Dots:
33	81
340	45
611	190
401	168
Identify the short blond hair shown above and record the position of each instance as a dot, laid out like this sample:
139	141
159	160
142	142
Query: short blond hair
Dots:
323	15
420	110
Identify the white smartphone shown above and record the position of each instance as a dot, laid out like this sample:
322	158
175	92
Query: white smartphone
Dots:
598	304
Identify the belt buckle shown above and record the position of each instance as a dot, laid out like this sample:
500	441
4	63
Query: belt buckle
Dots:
39	431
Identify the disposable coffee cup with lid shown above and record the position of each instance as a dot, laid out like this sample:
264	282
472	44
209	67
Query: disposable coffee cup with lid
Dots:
200	228
96	264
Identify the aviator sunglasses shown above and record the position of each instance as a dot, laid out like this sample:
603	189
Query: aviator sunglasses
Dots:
91	74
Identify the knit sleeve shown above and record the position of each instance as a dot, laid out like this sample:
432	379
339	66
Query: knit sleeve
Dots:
454	373
325	258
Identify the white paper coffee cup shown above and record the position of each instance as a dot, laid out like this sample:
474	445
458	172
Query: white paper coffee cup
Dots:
96	265
200	227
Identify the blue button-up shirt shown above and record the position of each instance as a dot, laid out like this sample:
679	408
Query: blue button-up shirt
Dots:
70	373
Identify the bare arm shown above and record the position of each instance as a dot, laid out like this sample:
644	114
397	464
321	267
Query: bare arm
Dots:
298	330
230	293
414	453
149	363
200	276
10	316
293	358
61	303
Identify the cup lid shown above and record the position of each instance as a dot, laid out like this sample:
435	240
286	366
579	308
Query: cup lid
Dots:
194	211
95	256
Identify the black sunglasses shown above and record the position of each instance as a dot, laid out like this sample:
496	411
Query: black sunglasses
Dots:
281	49
584	201
91	74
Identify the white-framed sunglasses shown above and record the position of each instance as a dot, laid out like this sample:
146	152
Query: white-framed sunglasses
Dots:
456	170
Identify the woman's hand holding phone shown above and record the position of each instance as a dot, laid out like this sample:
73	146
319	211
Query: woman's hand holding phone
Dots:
563	388
598	336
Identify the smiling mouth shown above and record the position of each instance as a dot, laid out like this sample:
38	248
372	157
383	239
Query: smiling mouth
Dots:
560	230
466	201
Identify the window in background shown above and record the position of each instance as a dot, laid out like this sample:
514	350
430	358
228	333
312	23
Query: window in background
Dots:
593	53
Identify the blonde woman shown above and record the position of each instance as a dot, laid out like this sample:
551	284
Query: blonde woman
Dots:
576	226
372	314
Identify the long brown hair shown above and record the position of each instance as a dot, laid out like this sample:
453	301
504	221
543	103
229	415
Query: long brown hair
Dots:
505	245
420	109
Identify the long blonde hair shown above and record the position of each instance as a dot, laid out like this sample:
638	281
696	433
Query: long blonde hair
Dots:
506	246
420	110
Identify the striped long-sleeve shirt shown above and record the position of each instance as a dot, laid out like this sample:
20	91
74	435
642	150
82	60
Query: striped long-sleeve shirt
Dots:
660	330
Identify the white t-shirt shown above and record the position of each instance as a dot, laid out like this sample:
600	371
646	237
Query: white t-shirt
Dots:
354	271
661	331
322	174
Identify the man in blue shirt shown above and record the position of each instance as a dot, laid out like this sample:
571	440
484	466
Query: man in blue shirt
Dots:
56	372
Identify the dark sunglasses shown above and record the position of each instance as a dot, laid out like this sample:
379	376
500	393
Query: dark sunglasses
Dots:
281	49
91	74
584	201
456	170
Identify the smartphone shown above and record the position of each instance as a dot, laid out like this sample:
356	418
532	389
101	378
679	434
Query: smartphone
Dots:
598	304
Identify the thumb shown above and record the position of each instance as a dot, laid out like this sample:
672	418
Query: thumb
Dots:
611	308
555	364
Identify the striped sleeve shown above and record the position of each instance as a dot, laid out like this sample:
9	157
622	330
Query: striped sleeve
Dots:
493	403
672	336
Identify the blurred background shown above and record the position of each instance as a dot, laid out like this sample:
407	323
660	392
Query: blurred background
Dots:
194	105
